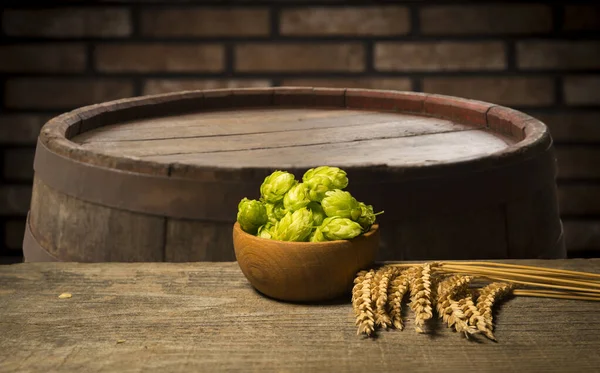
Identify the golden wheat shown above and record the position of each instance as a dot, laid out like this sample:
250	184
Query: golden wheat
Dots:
475	318
382	317
488	296
377	295
455	313
357	291
420	295
398	288
365	318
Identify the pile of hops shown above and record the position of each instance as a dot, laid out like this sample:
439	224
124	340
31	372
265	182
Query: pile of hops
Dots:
378	296
316	209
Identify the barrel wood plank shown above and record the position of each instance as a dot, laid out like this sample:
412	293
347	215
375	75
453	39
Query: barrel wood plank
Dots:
198	241
77	224
166	317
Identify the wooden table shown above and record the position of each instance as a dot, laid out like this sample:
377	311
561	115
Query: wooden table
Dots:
205	317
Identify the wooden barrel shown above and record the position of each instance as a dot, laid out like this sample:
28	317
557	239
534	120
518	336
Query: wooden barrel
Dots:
158	178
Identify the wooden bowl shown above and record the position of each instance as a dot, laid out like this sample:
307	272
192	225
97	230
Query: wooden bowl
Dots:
303	271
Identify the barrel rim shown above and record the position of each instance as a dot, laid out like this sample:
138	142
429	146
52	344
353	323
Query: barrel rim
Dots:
533	137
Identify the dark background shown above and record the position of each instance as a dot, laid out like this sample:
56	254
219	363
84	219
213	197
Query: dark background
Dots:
542	58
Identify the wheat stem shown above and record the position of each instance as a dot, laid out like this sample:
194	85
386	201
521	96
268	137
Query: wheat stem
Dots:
558	295
552	280
533	268
491	276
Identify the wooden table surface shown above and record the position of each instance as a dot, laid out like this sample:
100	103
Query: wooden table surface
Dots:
168	317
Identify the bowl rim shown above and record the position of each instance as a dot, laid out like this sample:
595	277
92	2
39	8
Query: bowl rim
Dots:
369	234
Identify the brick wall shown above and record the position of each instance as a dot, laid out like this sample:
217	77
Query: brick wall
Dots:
542	58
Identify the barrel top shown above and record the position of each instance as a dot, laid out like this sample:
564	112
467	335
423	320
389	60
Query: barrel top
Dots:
197	133
293	137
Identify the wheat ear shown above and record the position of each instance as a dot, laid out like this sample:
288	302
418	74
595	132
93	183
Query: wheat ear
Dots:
420	294
365	318
450	310
398	288
382	317
357	291
475	318
488	296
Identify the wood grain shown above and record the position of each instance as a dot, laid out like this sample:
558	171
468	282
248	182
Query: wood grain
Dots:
345	151
196	134
304	271
206	317
198	241
72	229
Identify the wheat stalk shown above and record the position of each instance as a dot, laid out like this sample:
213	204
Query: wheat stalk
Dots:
364	309
451	311
382	317
475	317
357	291
488	296
398	288
420	294
377	295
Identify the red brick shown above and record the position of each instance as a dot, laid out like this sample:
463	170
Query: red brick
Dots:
14	231
348	57
160	58
543	54
501	90
56	93
14	199
460	110
18	163
582	90
578	162
47	58
439	56
485	19
392	83
206	22
579	199
21	129
582	17
67	22
368	21
157	86
582	234
581	127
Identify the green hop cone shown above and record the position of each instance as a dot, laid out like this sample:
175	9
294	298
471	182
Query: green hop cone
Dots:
296	198
265	231
294	226
276	185
317	186
338	177
251	215
337	228
317	236
318	213
275	211
367	217
340	203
